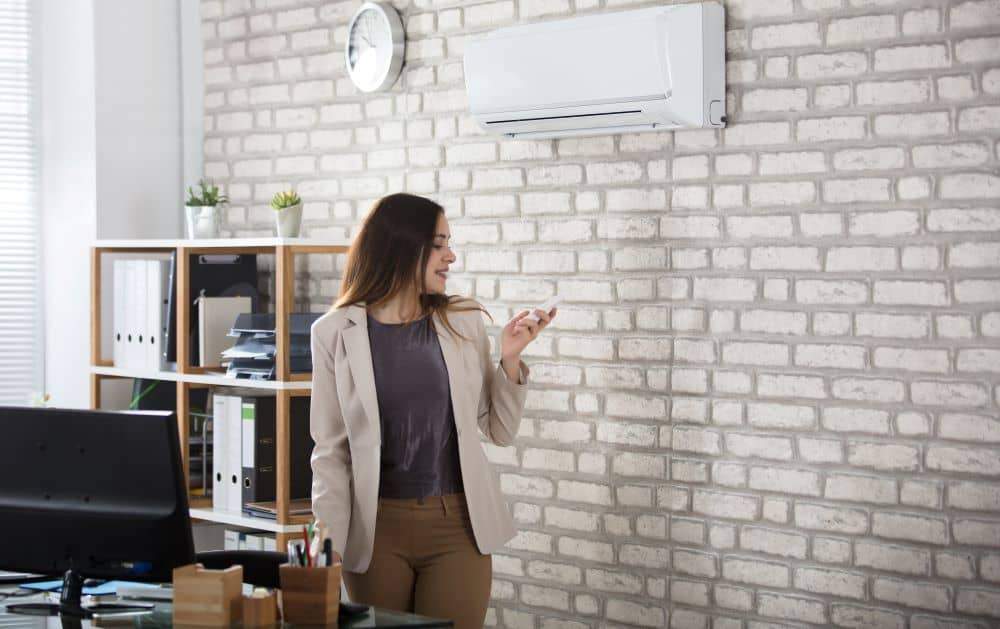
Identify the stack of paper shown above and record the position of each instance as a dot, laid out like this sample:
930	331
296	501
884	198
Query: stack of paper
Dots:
269	509
252	357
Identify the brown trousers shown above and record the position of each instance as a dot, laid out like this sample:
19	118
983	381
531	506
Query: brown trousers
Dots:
426	561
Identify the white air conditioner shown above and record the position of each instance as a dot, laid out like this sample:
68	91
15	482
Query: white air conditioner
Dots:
647	69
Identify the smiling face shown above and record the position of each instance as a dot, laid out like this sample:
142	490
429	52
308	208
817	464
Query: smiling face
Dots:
440	259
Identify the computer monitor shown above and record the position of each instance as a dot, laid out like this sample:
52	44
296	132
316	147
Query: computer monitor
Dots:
94	494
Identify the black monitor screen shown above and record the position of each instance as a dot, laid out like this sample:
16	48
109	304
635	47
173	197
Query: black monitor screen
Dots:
100	493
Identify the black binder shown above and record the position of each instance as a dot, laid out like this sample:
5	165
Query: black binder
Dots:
301	447
214	275
258	422
259	429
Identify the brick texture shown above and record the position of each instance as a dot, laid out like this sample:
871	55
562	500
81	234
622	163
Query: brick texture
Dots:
771	396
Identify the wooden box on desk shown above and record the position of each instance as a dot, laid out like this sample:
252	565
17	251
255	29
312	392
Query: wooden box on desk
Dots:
260	609
310	596
208	597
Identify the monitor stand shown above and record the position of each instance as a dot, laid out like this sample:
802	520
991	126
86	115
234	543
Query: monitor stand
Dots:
69	603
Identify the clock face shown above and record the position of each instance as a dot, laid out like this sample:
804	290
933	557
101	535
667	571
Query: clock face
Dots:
374	47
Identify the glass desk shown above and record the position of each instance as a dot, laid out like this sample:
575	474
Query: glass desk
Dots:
162	617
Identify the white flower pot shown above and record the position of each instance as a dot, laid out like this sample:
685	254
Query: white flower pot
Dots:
288	221
202	221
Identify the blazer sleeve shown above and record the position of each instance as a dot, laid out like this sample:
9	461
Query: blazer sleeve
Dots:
501	402
331	457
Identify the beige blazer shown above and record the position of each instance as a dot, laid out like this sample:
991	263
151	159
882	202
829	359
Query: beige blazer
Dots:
345	425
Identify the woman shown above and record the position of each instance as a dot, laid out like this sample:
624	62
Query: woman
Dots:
403	384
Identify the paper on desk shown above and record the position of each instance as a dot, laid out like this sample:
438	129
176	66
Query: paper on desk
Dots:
108	587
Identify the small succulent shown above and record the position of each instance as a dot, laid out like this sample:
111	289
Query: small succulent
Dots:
209	196
39	399
285	199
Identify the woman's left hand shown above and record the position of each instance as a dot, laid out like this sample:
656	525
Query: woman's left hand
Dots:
520	331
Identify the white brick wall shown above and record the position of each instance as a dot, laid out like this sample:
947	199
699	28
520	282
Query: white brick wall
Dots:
772	397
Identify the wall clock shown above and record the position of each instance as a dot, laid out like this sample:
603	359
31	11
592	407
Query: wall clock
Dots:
375	47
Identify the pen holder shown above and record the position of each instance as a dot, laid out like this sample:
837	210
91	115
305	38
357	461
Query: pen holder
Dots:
260	609
207	597
310	596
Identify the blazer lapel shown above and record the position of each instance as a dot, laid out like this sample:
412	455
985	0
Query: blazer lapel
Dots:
359	357
455	366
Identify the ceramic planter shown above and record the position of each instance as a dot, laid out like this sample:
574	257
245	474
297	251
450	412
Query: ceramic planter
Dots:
287	221
202	221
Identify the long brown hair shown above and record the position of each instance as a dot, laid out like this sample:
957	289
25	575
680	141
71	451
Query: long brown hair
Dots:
389	256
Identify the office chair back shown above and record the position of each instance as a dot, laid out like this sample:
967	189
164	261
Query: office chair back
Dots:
260	567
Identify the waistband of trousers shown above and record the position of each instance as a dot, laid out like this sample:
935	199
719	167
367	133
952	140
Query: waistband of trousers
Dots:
447	504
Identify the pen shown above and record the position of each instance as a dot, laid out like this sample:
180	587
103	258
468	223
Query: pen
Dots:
314	545
305	540
328	551
299	559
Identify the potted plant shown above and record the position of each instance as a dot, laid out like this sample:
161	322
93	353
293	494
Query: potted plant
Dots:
288	213
202	210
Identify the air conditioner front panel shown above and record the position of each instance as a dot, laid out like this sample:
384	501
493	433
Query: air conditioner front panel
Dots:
656	68
579	64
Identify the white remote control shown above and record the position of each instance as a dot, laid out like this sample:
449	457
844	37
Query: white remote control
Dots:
551	303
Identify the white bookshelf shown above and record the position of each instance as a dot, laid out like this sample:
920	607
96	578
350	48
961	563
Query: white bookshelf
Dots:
286	385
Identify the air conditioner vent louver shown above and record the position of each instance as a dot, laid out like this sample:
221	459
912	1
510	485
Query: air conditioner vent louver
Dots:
606	113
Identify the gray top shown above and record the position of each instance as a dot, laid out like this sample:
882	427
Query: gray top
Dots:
419	443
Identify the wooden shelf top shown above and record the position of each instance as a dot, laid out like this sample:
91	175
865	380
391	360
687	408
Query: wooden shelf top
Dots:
218	243
201	378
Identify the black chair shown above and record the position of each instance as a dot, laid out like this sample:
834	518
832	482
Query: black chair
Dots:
260	567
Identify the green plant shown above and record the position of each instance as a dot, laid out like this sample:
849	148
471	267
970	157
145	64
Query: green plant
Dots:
285	199
208	195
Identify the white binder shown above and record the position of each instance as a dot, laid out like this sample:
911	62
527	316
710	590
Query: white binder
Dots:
135	313
118	292
260	541
216	316
157	272
234	454
233	540
220	459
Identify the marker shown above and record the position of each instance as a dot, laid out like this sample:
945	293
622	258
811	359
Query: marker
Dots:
305	540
